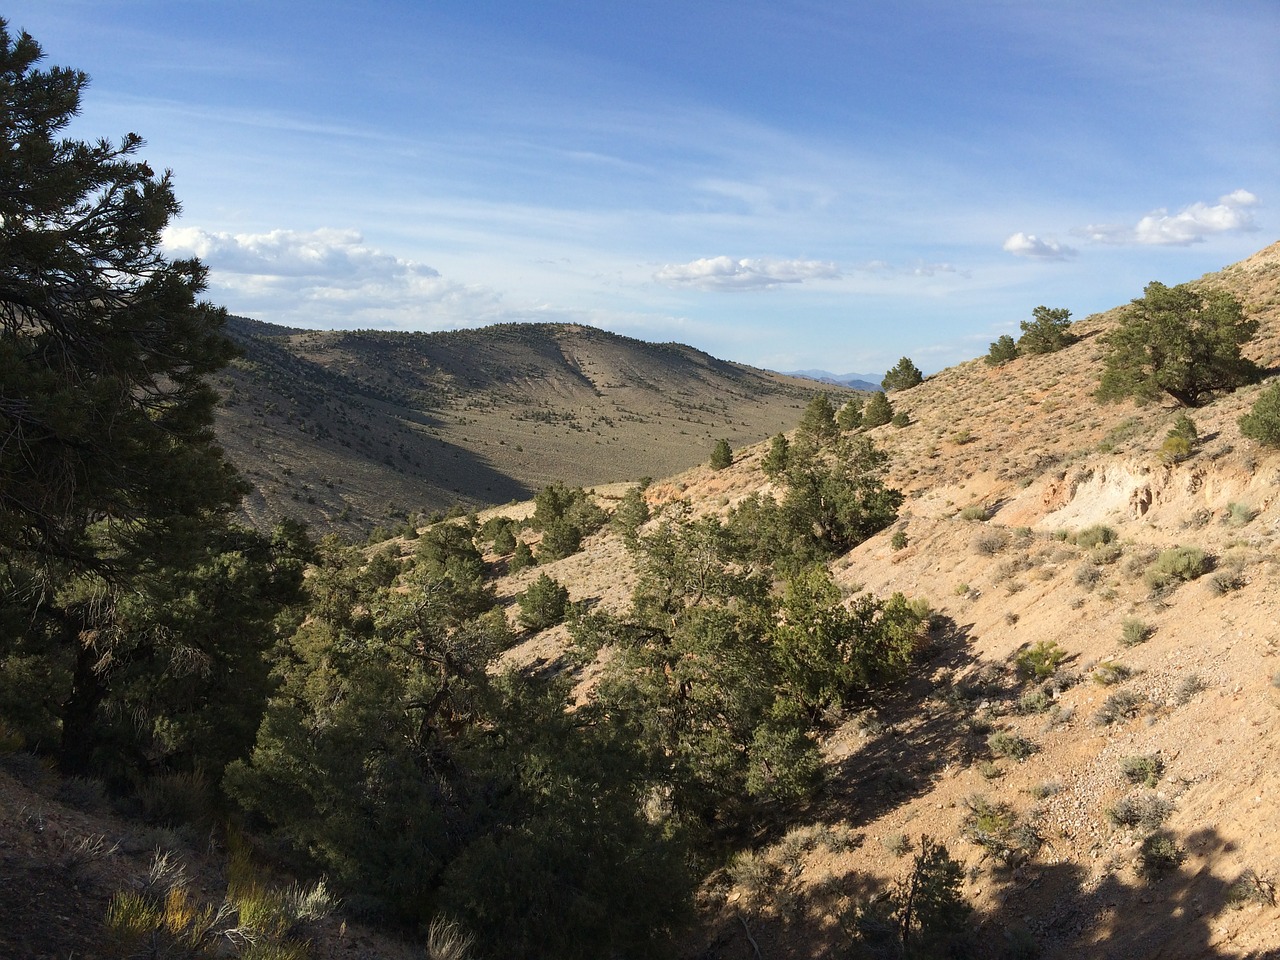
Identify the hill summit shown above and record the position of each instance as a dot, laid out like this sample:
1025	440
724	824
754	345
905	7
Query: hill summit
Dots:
353	428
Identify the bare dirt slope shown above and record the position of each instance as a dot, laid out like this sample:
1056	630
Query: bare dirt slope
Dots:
1026	447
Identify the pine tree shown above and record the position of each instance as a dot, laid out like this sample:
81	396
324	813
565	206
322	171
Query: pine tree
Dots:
878	410
1046	331
903	376
1180	342
110	480
722	455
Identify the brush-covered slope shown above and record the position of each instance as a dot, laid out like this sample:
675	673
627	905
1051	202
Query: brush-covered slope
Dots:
1182	676
352	428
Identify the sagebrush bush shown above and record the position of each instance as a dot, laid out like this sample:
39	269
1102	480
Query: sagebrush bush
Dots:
1094	536
994	826
1122	705
1144	769
1147	811
1010	745
1040	661
1158	855
1134	632
990	542
1177	565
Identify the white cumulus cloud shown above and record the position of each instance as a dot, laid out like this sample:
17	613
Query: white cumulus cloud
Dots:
324	277
1189	225
726	273
1037	248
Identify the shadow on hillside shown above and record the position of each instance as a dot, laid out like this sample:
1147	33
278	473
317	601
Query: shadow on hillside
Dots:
910	741
1178	914
1050	912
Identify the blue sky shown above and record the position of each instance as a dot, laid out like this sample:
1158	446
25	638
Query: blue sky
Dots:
792	184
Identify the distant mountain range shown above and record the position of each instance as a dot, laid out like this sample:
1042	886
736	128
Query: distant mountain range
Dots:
348	429
854	381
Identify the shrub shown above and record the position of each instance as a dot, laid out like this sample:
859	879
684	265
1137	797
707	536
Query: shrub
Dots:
975	511
1147	811
1010	745
1158	855
1134	632
1250	888
1144	769
1262	423
995	827
1094	536
1240	514
1109	673
990	542
899	539
1177	565
1122	705
543	604
1040	661
901	419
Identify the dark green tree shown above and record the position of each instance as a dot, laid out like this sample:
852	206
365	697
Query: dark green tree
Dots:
850	415
104	349
1046	331
903	376
630	515
775	460
1180	342
521	557
818	423
1003	349
1262	422
722	455
878	410
110	477
543	604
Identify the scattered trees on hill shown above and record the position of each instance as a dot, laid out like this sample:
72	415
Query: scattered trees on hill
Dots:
902	377
1180	342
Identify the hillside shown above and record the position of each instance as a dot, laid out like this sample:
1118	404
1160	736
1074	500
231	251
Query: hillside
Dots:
349	429
1026	446
1033	517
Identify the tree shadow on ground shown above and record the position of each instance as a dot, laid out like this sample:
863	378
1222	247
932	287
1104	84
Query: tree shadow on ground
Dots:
909	737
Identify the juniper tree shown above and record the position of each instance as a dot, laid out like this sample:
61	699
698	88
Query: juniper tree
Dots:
1180	342
904	375
111	482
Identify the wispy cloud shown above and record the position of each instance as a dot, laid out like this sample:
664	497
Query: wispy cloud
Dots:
1037	248
1231	214
726	273
326	276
